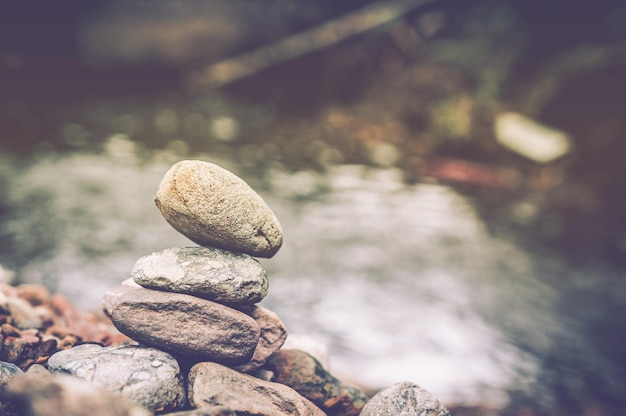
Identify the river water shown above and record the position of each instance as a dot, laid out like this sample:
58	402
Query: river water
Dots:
401	282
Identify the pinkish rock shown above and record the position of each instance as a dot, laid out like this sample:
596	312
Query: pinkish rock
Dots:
212	384
186	325
307	376
273	335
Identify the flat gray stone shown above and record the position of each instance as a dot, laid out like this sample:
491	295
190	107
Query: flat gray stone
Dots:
212	384
213	207
273	335
211	273
146	376
187	325
404	399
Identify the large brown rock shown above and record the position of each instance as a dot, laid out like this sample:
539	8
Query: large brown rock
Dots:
218	275
212	384
213	207
307	376
273	335
186	325
404	398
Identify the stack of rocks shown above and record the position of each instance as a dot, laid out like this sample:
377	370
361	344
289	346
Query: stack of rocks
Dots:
200	339
199	302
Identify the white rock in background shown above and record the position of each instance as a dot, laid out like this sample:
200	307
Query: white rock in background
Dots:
530	139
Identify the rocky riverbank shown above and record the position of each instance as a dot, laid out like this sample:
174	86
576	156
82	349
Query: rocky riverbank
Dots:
185	334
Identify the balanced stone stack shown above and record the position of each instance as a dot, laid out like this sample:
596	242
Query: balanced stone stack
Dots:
199	302
201	340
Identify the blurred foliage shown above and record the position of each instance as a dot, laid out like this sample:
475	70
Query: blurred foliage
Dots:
419	94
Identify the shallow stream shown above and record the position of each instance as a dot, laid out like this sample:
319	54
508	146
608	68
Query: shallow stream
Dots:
401	282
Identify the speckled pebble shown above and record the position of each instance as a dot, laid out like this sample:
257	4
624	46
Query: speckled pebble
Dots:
214	274
145	376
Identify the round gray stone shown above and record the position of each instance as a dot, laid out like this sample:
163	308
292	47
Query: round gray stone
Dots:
213	207
145	376
187	325
404	399
211	273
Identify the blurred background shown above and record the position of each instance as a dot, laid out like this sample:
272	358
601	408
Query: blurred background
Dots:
449	174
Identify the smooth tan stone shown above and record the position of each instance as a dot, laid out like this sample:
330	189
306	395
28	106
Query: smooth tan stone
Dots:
213	207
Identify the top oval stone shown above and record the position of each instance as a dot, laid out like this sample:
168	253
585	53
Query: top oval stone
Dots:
213	207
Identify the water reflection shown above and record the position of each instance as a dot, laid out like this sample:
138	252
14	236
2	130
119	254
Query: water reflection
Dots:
403	282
